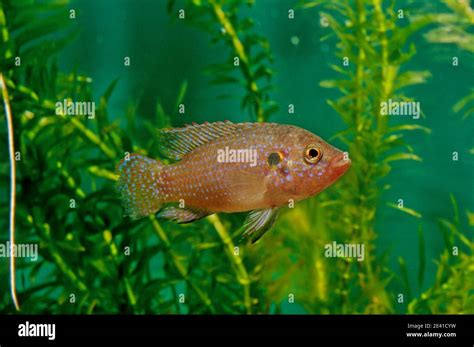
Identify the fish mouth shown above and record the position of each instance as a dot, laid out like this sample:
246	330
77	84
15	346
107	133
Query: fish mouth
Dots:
340	164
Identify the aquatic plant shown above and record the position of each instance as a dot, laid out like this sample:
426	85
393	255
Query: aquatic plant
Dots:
249	51
453	287
453	29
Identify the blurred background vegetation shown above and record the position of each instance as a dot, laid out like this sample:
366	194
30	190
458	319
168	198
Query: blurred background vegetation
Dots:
94	260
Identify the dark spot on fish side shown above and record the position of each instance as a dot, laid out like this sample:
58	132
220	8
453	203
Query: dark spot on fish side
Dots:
274	159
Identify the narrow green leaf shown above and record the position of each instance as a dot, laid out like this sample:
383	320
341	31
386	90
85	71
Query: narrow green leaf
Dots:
180	97
405	278
401	156
407	210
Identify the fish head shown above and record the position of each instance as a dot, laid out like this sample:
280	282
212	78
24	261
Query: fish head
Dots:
312	164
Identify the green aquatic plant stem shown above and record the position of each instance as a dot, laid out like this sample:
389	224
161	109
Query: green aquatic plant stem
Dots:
244	64
178	265
103	173
92	137
388	72
11	151
235	260
132	298
70	181
45	232
371	83
359	131
359	74
5	35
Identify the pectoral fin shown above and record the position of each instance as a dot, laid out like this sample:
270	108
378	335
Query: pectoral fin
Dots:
182	215
258	222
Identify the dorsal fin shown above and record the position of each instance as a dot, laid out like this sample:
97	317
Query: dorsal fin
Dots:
176	142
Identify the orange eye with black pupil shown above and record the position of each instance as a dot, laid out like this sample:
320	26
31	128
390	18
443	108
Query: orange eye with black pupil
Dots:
313	154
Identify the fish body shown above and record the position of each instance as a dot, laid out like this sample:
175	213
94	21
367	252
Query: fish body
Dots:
227	167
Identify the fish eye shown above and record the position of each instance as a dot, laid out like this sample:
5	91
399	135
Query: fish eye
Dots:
313	154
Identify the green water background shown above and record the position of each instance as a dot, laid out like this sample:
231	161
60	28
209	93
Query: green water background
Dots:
164	53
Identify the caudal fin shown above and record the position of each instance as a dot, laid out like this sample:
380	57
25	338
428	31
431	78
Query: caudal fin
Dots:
139	185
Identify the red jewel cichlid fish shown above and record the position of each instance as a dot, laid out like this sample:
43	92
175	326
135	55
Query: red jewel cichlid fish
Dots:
227	167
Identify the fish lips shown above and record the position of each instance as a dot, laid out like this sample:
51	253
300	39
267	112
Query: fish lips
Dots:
339	165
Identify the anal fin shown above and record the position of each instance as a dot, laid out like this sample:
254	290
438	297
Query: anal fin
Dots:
258	222
182	215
